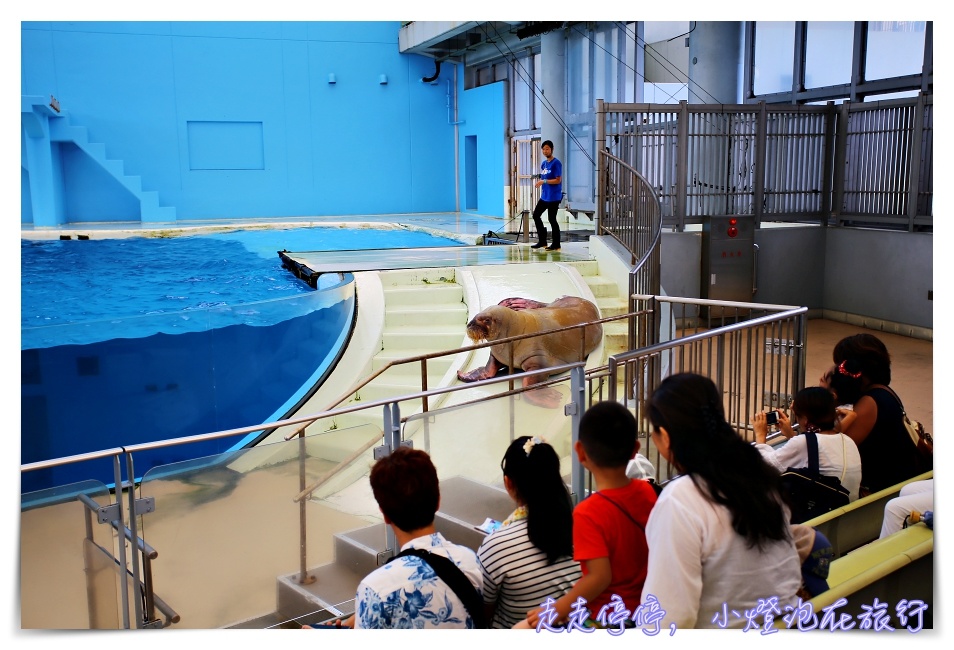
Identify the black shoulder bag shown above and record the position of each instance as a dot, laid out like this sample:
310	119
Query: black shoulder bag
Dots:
454	578
809	494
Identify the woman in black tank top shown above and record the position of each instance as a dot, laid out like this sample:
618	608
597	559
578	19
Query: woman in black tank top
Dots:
861	377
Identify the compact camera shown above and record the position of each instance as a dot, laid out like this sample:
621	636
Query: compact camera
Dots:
771	417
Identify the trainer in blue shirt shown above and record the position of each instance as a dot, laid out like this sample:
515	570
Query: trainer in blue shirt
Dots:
551	180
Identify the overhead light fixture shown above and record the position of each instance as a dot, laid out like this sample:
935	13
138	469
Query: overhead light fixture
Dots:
331	78
383	79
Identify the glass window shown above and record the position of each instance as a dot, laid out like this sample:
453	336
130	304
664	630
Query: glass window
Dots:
485	75
828	53
774	56
578	72
895	49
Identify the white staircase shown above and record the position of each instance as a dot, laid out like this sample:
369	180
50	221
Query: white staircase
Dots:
424	313
611	302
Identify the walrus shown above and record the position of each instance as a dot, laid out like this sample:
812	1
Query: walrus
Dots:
516	316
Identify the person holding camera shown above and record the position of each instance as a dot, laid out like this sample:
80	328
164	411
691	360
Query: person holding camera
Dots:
814	410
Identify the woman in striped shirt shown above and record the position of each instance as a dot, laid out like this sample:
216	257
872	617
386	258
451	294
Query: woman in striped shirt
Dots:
530	557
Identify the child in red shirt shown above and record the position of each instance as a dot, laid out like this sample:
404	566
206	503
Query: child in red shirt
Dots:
609	539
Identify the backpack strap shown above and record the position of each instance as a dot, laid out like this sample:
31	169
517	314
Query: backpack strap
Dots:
812	443
454	578
623	510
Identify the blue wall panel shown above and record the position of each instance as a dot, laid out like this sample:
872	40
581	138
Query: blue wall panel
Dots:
354	147
37	71
483	114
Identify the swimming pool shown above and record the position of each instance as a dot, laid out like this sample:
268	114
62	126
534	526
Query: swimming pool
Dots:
156	338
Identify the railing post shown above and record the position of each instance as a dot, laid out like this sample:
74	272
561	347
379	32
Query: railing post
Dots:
914	155
831	122
121	550
575	410
838	173
392	440
303	577
761	136
682	163
600	165
133	529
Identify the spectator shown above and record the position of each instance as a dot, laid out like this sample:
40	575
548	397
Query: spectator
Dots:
844	413
862	375
719	537
916	496
530	558
814	410
609	538
407	592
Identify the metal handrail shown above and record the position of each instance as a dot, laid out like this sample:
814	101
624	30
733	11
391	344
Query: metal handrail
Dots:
578	389
423	358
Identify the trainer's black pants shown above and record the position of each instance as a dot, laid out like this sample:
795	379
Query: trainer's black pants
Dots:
551	208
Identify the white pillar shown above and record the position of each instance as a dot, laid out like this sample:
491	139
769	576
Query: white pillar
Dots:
553	85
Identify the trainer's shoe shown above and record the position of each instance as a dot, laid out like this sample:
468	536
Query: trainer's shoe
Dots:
539	245
555	247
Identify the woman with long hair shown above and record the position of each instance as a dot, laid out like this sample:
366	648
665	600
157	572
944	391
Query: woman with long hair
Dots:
719	538
861	376
530	557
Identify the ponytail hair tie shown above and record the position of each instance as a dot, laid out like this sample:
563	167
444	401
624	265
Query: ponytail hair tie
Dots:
528	445
844	371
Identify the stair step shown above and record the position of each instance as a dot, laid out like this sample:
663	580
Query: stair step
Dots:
587	268
611	307
436	338
451	314
330	595
331	591
601	287
96	150
417	277
62	131
466	503
376	391
435	367
424	295
357	550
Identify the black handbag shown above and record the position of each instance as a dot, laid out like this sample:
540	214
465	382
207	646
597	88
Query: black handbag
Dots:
807	492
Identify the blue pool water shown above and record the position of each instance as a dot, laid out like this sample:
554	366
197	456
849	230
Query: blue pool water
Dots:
147	339
104	283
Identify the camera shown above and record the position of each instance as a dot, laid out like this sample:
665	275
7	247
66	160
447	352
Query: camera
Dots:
771	417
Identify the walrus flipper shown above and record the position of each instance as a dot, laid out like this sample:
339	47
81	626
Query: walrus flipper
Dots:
545	396
491	369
